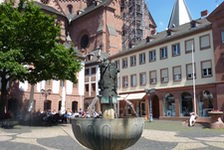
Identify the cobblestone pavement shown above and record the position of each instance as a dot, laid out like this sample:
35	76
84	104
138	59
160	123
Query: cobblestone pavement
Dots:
158	135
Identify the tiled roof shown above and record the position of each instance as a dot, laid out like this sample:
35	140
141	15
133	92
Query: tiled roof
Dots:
162	37
48	8
95	54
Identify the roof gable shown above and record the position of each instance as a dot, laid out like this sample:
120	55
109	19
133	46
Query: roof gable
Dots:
217	13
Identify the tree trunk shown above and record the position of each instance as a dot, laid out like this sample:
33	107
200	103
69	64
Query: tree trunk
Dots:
31	102
3	99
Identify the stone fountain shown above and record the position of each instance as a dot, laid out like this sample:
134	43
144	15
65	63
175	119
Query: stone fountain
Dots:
109	132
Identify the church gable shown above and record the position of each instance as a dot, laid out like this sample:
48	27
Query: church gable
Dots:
52	3
217	13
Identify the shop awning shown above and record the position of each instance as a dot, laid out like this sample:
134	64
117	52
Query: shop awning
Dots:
134	96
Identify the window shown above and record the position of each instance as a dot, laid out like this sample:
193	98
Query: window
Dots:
84	41
142	77
87	88
93	70
124	63
133	61
125	82
204	42
152	77
142	58
117	63
87	71
93	87
188	46
222	37
177	73
176	50
190	71
133	80
152	56
163	53
69	8
206	69
164	75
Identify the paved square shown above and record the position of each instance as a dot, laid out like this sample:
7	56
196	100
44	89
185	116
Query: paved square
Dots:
158	135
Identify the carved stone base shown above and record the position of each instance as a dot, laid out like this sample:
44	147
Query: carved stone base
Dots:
216	119
107	134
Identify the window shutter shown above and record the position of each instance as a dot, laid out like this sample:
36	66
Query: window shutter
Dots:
165	73
177	70
189	69
205	41
206	65
189	45
153	75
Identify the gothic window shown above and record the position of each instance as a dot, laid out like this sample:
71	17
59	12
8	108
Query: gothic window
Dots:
84	41
70	8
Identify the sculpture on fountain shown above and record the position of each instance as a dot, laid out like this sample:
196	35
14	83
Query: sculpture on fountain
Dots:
108	133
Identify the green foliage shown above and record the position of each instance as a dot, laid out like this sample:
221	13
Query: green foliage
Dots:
29	49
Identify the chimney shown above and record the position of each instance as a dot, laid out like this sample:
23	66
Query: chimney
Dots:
204	13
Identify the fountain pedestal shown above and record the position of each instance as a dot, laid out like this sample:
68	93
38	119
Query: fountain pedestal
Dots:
107	134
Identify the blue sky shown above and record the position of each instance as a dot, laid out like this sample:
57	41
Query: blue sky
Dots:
161	9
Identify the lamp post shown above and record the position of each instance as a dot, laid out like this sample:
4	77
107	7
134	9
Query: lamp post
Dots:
150	92
45	93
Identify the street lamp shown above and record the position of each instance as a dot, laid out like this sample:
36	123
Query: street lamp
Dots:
150	92
45	92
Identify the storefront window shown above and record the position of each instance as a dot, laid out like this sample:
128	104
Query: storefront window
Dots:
186	104
169	105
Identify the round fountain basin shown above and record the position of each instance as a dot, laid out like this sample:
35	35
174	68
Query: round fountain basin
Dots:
107	134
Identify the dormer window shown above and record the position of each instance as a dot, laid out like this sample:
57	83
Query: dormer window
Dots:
70	8
193	24
169	32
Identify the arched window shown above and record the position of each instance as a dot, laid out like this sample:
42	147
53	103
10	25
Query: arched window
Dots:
69	8
84	41
169	105
74	106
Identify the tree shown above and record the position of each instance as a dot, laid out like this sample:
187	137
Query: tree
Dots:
30	48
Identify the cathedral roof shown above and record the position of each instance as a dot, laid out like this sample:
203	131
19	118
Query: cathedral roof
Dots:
180	14
48	8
